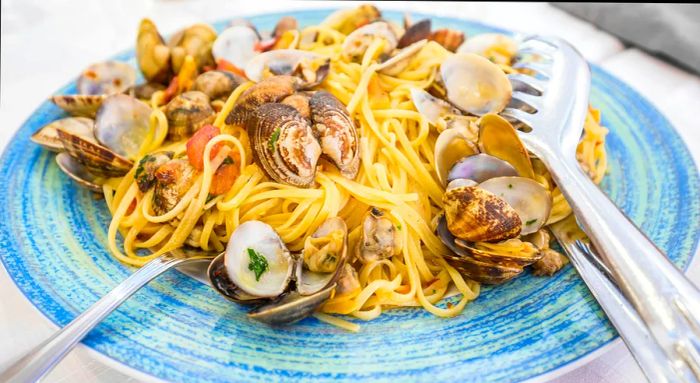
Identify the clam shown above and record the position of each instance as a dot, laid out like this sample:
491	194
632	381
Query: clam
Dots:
479	168
348	280
513	260
257	267
531	201
145	91
145	170
173	179
460	182
186	113
284	24
152	55
463	259
380	238
494	46
347	20
237	45
475	215
324	252
475	84
358	41
450	39
498	138
217	84
336	132
47	136
122	124
283	144
431	107
400	61
107	77
311	67
96	158
414	33
196	41
300	102
80	105
273	89
451	146
75	170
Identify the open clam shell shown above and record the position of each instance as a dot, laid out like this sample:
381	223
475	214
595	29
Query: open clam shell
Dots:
479	168
323	259
269	90
122	124
414	33
237	45
47	136
336	131
400	61
495	46
222	283
279	62
283	144
347	20
431	107
79	105
357	42
451	146
107	77
494	257
98	159
380	237
531	201
498	138
152	55
475	84
75	170
300	102
257	261
196	41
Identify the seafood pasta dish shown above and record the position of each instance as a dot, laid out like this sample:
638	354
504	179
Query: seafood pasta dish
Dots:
349	167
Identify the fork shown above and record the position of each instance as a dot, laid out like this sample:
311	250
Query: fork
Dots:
556	100
40	360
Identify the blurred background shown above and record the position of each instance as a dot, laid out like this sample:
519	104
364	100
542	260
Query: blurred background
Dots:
652	47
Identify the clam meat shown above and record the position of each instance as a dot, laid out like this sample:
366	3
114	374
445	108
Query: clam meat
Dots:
380	237
188	112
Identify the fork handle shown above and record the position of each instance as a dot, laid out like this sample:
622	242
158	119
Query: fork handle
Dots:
666	301
40	360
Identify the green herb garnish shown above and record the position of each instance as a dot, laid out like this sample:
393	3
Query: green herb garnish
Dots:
273	139
398	227
210	197
140	169
530	222
258	263
228	161
510	186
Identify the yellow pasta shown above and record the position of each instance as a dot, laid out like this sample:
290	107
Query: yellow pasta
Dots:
396	174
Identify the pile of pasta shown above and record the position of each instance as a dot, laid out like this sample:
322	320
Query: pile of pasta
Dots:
397	174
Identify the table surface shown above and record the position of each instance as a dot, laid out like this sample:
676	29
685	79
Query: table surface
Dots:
67	35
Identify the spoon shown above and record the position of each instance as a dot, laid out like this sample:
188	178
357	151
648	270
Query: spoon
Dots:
40	360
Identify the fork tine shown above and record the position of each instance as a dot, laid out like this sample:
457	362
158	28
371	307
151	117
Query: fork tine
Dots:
533	101
517	114
530	81
541	39
544	70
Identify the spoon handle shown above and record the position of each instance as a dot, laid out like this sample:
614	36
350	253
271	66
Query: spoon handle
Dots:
40	360
666	301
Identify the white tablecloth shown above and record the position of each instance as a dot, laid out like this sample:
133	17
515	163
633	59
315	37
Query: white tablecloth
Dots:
46	43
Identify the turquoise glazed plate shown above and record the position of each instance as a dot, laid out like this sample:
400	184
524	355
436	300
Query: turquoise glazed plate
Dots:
53	244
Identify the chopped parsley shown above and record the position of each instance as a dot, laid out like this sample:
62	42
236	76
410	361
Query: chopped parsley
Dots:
273	139
228	161
530	222
258	263
140	169
210	197
398	227
510	186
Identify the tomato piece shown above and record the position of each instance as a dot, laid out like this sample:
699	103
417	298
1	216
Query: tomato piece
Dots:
171	90
222	64
198	142
224	177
